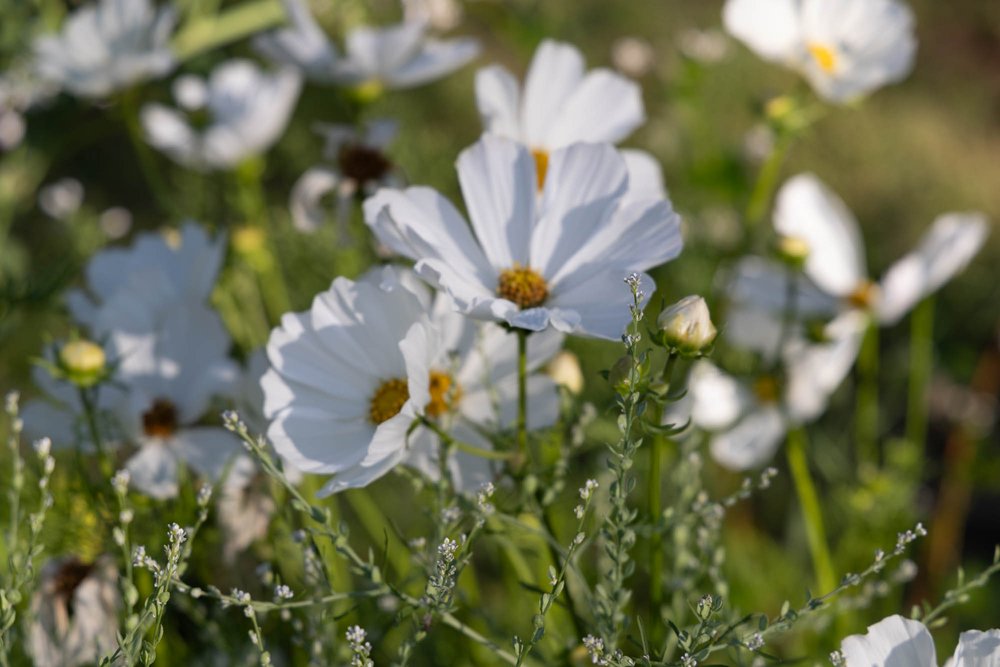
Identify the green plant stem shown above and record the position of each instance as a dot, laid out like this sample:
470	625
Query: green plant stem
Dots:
89	401
522	392
866	414
811	512
656	443
371	517
921	365
766	184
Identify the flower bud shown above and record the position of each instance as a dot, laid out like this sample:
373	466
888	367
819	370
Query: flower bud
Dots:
793	251
564	369
83	362
687	326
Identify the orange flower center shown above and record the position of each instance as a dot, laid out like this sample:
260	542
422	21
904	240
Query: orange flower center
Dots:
445	394
863	296
541	165
388	400
160	421
766	389
824	56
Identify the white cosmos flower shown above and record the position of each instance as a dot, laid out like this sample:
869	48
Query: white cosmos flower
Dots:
74	613
107	46
901	642
808	210
749	419
247	110
561	103
347	379
358	165
474	386
397	56
533	260
188	262
844	48
171	377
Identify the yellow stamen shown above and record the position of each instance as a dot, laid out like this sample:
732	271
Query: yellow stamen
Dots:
388	400
766	389
541	165
863	296
824	56
522	285
445	394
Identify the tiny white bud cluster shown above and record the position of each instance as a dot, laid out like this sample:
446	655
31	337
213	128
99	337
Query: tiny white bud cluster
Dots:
283	592
905	538
586	493
451	514
447	550
483	496
11	401
240	597
204	495
121	481
837	658
360	647
688	660
755	642
231	420
595	648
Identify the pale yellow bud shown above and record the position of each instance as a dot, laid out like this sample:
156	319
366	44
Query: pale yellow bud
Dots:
564	369
687	326
368	91
793	250
83	361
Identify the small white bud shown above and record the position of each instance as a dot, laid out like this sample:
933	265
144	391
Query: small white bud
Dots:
687	326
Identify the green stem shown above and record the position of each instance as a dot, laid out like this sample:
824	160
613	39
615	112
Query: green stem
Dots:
921	364
811	512
522	392
90	415
767	183
867	412
373	520
656	501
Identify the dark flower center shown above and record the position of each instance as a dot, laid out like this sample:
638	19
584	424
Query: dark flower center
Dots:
363	163
160	421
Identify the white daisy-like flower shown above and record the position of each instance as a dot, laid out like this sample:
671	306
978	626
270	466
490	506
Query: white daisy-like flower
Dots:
901	642
187	263
348	378
170	383
359	166
108	46
561	103
844	48
74	612
247	110
473	386
533	260
807	210
748	420
397	56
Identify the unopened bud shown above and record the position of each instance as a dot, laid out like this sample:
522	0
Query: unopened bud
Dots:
793	250
83	362
687	326
564	369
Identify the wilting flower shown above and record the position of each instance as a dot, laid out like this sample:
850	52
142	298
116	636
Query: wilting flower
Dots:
74	612
533	261
807	210
748	420
845	48
246	110
185	263
901	642
348	378
107	46
359	166
398	56
560	104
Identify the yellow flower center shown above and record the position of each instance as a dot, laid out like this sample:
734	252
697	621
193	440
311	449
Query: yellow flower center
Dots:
445	394
824	56
863	296
766	389
388	400
522	285
160	421
541	165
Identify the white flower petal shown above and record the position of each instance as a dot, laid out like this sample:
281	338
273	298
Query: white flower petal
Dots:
977	649
892	642
153	471
604	107
952	242
769	27
598	305
498	98
435	59
305	202
752	442
555	72
808	210
303	44
717	399
206	449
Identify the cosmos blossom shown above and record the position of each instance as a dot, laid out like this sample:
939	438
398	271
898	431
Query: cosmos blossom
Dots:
901	642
